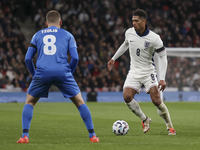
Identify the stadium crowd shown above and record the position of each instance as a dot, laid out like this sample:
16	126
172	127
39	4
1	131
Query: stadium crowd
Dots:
98	27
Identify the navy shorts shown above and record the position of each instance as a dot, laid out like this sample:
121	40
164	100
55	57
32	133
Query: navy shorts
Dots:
40	86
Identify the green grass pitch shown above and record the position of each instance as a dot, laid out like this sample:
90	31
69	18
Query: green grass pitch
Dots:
58	126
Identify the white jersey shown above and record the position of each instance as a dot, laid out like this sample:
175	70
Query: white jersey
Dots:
141	49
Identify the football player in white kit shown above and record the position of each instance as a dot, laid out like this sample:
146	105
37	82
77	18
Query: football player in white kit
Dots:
142	44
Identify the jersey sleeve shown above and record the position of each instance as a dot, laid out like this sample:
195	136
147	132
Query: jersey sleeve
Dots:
122	49
33	40
74	59
30	54
163	57
163	63
73	52
72	42
159	45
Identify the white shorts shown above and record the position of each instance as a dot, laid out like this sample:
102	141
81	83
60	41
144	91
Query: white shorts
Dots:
135	82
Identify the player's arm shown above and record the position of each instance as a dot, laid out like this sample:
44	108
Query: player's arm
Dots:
121	50
74	59
163	60
73	53
29	58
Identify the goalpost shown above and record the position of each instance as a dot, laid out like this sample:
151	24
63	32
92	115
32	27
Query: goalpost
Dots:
192	53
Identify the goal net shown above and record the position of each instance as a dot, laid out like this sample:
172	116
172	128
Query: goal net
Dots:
183	71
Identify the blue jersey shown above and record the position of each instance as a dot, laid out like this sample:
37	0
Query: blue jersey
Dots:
52	45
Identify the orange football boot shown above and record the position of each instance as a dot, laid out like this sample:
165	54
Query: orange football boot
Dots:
94	139
171	131
23	140
145	125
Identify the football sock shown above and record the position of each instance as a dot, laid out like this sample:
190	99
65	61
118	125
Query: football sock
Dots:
86	116
164	113
135	108
91	133
27	115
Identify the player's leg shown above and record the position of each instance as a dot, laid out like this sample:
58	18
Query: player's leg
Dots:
162	109
132	85
133	105
39	87
85	115
68	86
27	115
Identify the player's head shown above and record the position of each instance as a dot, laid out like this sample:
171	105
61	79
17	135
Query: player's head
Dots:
139	19
53	18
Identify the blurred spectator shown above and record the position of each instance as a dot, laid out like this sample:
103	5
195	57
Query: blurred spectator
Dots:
3	81
99	27
10	73
92	96
9	86
1	73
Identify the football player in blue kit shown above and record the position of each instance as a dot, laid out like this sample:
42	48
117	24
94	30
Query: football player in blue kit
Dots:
52	45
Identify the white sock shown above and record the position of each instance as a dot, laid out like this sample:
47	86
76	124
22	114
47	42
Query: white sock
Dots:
135	108
164	113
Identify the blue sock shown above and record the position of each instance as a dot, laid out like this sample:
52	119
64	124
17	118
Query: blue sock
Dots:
86	116
27	115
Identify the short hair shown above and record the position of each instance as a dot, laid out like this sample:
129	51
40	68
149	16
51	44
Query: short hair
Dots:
53	16
141	13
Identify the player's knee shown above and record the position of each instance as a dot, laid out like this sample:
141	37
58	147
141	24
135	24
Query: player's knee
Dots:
156	100
77	100
31	100
127	97
30	103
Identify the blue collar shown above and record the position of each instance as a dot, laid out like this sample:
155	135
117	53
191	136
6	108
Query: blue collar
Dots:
145	33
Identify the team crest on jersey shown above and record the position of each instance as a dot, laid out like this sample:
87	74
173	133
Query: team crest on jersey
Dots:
146	44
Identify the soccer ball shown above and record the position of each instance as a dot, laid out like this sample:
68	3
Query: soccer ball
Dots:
120	127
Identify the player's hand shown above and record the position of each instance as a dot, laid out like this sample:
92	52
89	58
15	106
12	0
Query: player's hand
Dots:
110	65
162	85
